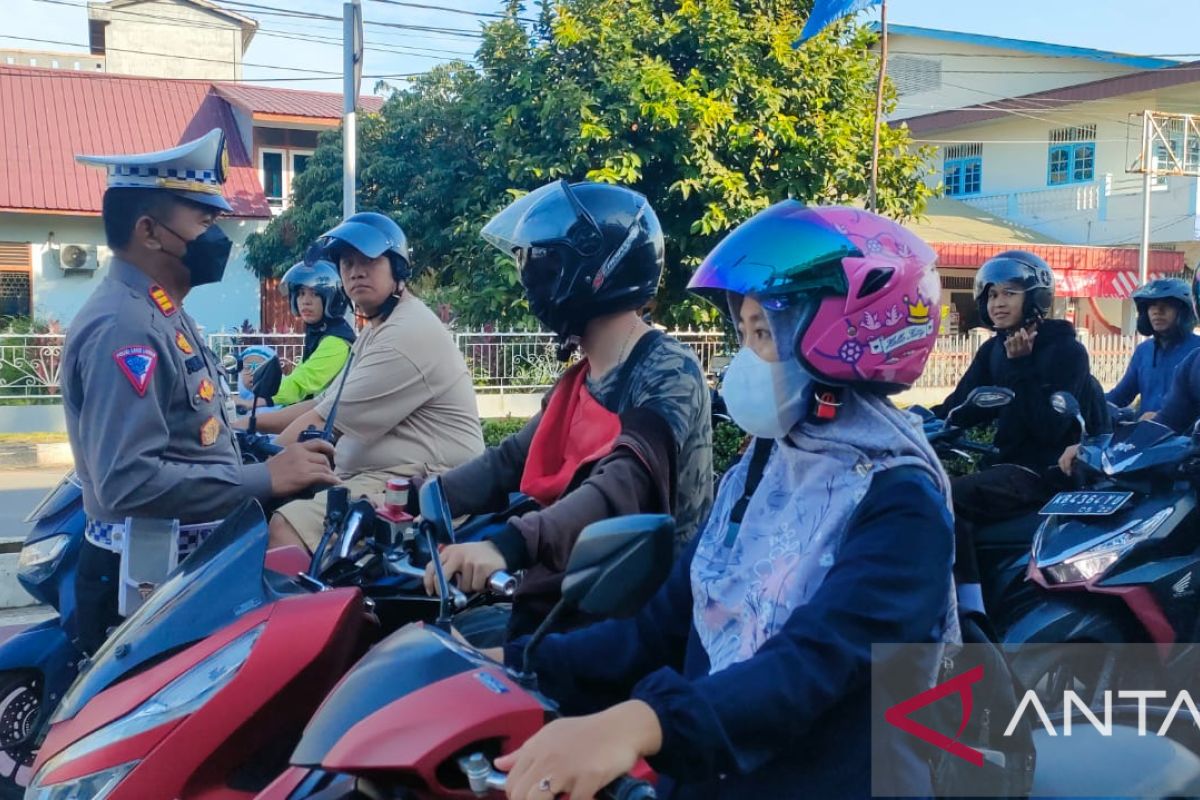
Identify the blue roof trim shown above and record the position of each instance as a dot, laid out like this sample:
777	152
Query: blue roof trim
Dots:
1026	46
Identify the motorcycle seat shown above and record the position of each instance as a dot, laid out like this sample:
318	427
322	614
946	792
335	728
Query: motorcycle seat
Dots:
1010	533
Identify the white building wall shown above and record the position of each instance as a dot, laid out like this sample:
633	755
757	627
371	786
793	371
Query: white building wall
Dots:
1015	153
58	296
144	40
972	74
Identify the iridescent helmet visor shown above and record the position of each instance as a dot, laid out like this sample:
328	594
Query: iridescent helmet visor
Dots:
787	258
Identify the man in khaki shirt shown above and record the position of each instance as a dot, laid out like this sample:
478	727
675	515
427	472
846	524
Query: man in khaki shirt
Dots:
408	406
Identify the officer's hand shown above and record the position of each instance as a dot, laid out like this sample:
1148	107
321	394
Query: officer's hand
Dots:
1067	460
300	466
473	562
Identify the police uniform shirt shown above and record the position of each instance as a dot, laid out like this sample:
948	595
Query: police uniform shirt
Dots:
146	411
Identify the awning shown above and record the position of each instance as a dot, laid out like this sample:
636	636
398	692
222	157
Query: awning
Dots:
1093	283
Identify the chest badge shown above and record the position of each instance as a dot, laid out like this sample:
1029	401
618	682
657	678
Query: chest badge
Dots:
137	364
162	301
194	364
183	344
207	391
209	432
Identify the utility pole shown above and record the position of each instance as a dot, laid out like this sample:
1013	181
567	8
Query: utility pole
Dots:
1169	146
352	48
1147	185
873	189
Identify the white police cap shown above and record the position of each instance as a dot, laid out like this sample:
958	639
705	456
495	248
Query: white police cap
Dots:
194	170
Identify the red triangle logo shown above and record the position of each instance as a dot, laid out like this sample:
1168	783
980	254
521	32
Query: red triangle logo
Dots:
898	715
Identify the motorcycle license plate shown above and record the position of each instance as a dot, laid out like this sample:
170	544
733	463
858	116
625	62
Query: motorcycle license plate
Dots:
1086	504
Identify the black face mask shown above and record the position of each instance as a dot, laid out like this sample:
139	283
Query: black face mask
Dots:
206	255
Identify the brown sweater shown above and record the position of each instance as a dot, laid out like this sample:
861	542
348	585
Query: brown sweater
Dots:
637	477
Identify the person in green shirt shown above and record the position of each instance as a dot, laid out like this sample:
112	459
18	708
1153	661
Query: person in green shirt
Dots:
314	289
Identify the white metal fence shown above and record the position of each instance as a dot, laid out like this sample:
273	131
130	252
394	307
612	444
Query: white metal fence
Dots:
508	361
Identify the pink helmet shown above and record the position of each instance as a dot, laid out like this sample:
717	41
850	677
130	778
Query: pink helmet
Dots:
867	290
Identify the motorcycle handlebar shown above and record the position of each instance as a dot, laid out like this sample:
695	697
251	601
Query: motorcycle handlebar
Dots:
627	787
483	779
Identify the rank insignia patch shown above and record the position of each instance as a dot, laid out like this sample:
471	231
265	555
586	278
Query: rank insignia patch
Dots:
162	300
183	344
209	431
137	363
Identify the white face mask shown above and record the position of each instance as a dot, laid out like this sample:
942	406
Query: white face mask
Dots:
766	398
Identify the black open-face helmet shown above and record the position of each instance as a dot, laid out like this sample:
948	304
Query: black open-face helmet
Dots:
373	235
323	278
1024	270
1174	290
584	250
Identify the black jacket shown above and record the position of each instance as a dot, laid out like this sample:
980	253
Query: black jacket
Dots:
1028	431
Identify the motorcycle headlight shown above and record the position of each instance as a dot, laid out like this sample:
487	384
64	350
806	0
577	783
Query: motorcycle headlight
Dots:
1096	559
180	697
38	559
1082	568
96	786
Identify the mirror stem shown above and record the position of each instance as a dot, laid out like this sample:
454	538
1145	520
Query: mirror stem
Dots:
444	612
527	676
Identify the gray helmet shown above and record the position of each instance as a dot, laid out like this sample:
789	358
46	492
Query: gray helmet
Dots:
373	235
1161	289
323	278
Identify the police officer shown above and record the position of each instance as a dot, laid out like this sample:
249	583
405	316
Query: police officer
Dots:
145	405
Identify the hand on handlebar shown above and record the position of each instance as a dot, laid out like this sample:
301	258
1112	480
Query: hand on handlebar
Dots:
579	756
1066	461
302	466
473	563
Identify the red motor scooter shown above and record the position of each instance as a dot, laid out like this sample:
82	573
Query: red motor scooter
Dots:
423	715
205	690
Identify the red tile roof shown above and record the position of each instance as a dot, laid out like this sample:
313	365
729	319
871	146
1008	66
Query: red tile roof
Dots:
49	116
294	102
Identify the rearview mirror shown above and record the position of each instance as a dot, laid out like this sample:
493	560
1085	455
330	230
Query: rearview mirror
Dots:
267	378
1064	403
990	396
435	511
617	564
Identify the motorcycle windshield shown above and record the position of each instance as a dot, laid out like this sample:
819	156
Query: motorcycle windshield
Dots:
1137	447
216	584
66	492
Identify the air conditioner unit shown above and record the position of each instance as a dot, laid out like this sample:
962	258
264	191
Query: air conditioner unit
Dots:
78	257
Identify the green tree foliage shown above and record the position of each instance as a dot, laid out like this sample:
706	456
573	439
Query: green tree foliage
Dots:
703	105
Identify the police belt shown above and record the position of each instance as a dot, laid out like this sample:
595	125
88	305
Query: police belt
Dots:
111	536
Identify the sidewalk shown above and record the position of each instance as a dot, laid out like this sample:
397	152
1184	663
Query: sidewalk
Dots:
17	454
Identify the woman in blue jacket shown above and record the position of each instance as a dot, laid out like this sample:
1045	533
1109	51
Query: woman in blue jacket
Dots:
1164	313
748	673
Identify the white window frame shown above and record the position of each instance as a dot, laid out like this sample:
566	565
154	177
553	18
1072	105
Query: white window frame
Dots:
291	164
288	163
262	174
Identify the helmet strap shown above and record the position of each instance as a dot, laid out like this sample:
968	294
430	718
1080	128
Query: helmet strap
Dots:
828	401
566	348
386	309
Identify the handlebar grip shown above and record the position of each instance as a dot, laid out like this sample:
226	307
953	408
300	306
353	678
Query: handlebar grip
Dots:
628	788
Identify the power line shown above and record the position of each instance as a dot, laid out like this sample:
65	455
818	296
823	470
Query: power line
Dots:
286	12
325	73
39	73
484	14
155	19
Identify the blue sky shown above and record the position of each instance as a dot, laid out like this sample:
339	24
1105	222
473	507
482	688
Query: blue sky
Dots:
1147	26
